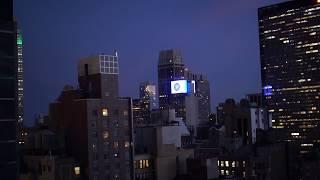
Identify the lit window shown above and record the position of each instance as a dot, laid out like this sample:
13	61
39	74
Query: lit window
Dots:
227	163
104	112
244	174
140	164
295	134
222	172
105	134
77	170
125	113
222	163
233	164
126	144
147	163
243	163
227	172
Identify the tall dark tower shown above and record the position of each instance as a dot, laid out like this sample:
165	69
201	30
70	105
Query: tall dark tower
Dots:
170	67
290	69
8	89
203	92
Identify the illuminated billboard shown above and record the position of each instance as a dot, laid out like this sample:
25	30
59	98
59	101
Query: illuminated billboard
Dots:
179	87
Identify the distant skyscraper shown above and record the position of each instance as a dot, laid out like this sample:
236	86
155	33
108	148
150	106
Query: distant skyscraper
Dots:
290	68
182	90
96	122
20	88
143	106
170	67
20	76
8	89
148	93
141	112
202	87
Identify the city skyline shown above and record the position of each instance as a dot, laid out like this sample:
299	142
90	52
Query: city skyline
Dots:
59	39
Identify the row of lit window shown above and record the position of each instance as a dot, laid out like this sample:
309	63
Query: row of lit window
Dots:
105	112
227	173
231	163
142	164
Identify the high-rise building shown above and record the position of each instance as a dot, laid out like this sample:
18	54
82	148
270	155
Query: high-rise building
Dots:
148	93
8	89
95	121
143	106
141	112
182	90
202	87
290	68
20	88
20	77
170	68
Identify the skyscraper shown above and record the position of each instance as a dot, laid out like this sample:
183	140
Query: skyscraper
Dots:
20	76
290	68
95	121
170	67
8	89
20	88
202	87
148	93
143	106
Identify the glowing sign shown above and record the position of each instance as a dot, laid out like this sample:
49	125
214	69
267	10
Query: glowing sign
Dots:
267	90
179	87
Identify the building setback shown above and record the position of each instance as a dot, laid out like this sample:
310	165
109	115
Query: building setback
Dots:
8	89
290	68
96	123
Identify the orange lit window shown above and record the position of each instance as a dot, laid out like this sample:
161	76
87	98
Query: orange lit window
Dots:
105	112
105	134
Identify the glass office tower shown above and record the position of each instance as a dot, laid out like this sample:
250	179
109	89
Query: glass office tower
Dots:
290	69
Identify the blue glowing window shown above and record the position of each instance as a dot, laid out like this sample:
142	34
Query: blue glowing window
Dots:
267	90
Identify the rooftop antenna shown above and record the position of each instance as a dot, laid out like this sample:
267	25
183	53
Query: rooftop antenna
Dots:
115	53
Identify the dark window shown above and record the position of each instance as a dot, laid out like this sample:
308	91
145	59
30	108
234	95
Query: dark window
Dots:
7	44
7	130
7	109
7	88
86	69
7	67
8	152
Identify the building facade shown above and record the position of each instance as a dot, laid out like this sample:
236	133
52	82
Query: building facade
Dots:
95	121
8	89
202	87
290	68
148	93
20	87
170	67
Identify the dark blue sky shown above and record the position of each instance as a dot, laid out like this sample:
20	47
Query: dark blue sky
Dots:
218	38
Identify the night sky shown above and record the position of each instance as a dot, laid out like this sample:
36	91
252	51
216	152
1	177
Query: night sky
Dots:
218	38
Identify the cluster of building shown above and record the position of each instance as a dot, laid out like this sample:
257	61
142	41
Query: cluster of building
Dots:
169	132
